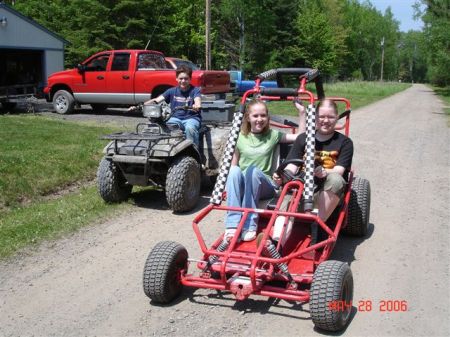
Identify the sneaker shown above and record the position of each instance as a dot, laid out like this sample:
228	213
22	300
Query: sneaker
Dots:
248	235
229	233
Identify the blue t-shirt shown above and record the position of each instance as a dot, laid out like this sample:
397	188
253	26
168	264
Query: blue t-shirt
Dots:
178	98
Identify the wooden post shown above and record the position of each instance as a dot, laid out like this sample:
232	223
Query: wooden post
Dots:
208	33
382	58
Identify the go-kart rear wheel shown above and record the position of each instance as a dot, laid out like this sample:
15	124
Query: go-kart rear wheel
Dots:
331	295
111	183
358	208
183	184
162	269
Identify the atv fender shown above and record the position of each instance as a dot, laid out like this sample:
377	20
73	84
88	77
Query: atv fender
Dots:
185	146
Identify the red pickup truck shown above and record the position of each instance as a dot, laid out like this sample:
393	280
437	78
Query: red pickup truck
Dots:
123	78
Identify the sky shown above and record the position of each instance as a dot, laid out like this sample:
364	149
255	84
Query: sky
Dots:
402	10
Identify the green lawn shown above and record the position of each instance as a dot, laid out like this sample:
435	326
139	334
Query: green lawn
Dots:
50	219
444	94
359	94
38	157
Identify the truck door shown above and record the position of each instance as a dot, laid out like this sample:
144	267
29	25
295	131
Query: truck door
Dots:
90	87
119	80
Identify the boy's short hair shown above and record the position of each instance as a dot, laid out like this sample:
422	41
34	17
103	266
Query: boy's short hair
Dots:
326	102
184	69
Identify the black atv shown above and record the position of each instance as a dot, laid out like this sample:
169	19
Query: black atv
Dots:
158	154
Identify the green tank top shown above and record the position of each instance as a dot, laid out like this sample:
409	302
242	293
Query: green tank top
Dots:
257	150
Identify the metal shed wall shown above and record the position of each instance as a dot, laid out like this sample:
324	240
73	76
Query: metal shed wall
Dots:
21	32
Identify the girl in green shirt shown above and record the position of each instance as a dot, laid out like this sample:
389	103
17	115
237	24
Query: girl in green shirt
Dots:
249	179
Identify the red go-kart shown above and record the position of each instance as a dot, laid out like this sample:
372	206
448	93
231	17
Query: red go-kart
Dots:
297	269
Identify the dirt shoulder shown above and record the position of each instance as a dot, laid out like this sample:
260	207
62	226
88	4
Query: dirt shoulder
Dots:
90	283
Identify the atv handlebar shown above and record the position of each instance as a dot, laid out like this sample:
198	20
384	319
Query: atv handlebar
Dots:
185	108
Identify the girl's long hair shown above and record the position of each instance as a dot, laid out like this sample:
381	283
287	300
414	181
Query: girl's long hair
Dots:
246	127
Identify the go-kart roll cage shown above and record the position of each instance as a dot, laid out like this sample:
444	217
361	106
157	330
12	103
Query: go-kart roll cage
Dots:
252	266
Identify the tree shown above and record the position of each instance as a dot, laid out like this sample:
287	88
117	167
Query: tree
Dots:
412	57
437	37
319	42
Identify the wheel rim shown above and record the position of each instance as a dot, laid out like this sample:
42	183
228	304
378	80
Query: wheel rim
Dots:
180	264
61	103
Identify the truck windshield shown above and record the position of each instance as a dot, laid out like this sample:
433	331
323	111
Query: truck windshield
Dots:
189	64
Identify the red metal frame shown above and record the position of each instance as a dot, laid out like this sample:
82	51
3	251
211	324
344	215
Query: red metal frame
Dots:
242	268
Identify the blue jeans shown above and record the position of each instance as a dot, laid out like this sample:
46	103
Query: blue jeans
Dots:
245	190
189	126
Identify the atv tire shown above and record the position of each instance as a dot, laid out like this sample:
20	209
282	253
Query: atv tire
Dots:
331	295
183	184
162	282
358	208
111	183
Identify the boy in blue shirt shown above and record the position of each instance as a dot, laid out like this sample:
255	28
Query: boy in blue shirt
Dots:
186	98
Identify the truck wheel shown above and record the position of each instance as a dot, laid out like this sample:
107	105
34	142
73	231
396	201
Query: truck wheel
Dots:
99	108
162	281
331	295
63	102
358	208
111	183
183	184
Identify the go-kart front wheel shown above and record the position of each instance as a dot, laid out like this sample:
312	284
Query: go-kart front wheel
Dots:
331	295
162	282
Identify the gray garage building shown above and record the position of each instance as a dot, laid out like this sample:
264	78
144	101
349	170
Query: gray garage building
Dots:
29	52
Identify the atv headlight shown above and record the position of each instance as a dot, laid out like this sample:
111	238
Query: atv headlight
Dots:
152	111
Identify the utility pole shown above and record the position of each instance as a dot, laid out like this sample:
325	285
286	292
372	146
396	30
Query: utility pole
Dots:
382	58
208	33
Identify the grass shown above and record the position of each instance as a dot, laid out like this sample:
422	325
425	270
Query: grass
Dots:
40	156
444	94
359	94
29	225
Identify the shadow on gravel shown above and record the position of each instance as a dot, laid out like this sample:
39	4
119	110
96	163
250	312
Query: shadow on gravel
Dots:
268	306
346	246
250	305
344	251
150	198
156	199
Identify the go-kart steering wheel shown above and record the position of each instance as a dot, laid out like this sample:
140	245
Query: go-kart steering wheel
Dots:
288	176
